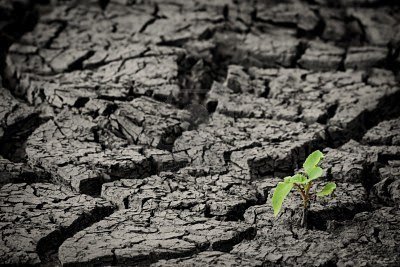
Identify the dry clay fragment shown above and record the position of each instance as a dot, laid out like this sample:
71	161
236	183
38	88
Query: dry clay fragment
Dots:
130	237
77	154
36	218
221	195
209	258
255	146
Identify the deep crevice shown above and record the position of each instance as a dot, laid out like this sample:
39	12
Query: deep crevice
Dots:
78	64
63	25
227	245
300	50
47	247
12	144
387	108
320	220
21	19
152	20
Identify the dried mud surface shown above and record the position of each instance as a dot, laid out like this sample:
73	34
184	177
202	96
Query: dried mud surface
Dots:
152	133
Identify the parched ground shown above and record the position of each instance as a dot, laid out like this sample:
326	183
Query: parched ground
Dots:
152	133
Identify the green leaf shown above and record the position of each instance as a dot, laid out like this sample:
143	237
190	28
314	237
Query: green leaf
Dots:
280	193
287	179
327	190
312	160
297	178
315	173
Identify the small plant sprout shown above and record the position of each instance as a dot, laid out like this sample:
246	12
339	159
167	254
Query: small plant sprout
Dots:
302	182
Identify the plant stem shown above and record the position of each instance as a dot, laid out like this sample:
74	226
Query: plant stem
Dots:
304	217
302	192
308	187
306	200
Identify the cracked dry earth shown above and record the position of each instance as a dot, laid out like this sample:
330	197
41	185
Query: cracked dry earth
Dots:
152	133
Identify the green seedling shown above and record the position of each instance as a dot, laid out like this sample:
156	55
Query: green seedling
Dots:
302	182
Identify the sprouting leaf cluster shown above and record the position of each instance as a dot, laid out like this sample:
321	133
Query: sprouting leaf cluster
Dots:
302	182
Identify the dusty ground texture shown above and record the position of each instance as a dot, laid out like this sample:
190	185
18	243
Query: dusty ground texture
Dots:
152	133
